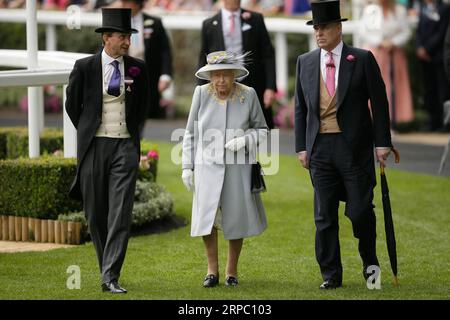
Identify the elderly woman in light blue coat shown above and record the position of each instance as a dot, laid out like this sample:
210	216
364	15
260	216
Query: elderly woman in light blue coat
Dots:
225	126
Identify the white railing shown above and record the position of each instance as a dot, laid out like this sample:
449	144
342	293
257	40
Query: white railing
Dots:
53	68
278	26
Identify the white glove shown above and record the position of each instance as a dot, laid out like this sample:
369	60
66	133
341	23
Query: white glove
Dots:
188	178
235	144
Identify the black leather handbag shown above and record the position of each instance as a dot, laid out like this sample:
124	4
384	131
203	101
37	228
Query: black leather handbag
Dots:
258	184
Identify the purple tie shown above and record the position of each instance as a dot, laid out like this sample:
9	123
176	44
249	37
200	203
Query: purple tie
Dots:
114	83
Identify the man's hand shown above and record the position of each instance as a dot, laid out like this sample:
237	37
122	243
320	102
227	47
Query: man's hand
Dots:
303	158
382	155
269	97
235	144
163	85
422	54
188	179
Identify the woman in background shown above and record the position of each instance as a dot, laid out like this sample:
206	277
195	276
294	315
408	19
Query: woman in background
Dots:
385	31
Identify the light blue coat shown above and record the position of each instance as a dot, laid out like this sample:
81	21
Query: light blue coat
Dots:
223	178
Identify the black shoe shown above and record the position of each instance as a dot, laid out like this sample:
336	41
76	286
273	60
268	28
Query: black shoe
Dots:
330	284
231	281
211	280
113	287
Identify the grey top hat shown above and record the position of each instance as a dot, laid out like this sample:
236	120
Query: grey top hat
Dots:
116	20
223	60
325	12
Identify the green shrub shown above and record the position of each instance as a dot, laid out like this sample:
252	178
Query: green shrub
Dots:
50	141
3	134
37	187
14	142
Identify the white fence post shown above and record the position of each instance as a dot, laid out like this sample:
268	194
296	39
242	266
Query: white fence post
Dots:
50	37
33	92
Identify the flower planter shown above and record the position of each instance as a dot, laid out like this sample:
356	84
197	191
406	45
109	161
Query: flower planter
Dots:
14	228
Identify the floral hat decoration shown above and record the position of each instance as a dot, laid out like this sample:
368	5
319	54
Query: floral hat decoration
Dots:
224	60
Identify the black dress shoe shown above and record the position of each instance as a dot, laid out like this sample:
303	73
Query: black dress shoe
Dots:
211	280
330	284
113	287
231	281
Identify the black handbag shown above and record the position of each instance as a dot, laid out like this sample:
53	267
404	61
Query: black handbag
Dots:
258	184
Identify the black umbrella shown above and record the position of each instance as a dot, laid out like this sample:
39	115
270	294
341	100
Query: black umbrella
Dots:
388	223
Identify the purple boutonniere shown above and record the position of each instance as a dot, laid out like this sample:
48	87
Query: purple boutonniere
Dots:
134	71
350	58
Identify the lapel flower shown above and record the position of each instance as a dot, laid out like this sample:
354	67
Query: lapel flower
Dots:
350	58
134	71
148	22
246	15
242	99
215	22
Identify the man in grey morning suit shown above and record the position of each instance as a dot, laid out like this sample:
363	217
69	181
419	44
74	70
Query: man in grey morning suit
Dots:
107	99
335	134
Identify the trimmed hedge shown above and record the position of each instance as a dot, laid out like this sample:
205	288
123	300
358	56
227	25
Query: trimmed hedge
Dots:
37	187
14	142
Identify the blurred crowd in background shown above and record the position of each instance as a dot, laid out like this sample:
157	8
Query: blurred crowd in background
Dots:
389	35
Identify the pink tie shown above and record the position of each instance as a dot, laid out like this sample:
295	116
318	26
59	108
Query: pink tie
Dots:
331	70
232	24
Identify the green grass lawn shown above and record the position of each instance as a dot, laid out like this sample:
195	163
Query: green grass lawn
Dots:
279	264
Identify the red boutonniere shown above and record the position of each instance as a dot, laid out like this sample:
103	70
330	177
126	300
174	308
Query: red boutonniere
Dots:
246	15
350	58
134	71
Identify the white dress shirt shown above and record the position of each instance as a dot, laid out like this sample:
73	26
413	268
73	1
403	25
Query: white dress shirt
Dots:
108	70
324	56
233	42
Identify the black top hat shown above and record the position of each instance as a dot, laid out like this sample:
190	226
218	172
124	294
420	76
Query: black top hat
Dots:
116	20
325	12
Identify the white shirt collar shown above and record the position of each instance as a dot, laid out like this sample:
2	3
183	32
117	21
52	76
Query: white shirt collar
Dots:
337	51
226	13
108	59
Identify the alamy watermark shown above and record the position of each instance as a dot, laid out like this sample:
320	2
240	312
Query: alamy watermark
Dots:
374	280
74	279
73	20
208	147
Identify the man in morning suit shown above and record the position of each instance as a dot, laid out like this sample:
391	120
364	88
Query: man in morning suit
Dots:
152	45
107	99
335	133
239	30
